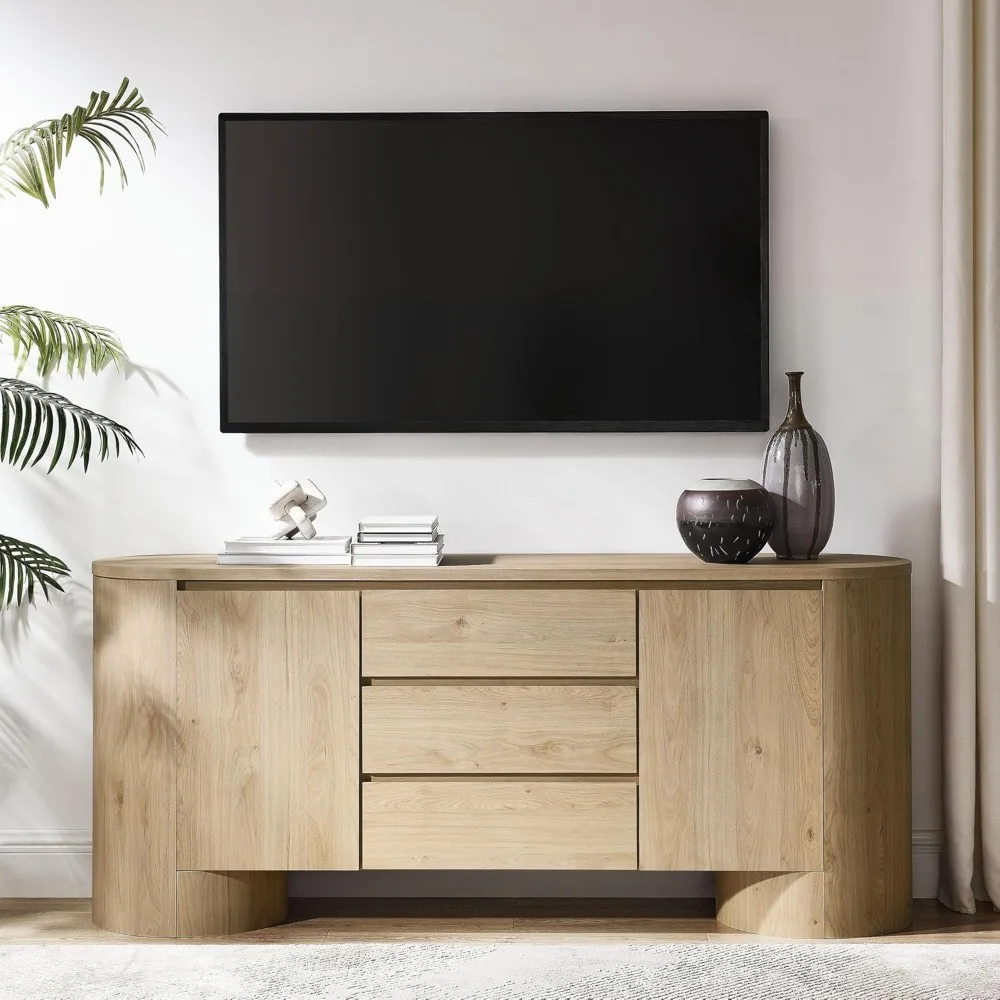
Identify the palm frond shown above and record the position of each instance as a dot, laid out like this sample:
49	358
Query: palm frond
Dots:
36	423
30	157
58	340
25	567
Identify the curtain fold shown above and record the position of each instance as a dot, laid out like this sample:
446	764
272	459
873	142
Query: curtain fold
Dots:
970	452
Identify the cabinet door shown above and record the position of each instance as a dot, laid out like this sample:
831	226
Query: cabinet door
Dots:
267	706
324	676
730	744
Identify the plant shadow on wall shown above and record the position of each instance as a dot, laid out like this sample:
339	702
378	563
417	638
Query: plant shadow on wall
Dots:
42	428
40	746
15	735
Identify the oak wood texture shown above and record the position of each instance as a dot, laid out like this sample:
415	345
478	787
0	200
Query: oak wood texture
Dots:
865	887
498	633
730	741
267	698
773	731
778	904
323	705
534	568
866	721
480	729
135	729
213	903
482	824
232	800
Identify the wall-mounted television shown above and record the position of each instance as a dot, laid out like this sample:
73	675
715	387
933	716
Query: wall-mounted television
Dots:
602	271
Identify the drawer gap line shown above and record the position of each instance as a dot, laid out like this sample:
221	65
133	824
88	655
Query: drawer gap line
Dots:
505	681
618	779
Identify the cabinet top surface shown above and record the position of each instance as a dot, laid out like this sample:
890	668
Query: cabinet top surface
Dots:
535	568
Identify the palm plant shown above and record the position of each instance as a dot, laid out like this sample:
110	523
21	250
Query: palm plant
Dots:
37	425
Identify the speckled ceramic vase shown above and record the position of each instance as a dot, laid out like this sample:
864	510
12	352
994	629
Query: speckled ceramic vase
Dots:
799	477
725	520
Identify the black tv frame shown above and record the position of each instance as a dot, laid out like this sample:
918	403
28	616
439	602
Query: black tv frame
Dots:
760	423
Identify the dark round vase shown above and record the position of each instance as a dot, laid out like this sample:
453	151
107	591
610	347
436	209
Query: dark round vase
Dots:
725	520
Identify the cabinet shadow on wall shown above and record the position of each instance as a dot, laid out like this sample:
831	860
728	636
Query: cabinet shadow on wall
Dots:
502	884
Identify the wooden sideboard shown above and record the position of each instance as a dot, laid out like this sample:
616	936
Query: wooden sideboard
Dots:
530	712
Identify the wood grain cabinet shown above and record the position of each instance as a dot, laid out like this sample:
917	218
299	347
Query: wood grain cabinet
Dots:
732	743
499	729
500	824
267	720
514	632
574	712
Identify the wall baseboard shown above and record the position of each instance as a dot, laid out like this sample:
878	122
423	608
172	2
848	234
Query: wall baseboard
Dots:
56	864
44	863
926	859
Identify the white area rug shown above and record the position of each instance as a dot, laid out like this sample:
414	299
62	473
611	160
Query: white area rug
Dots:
502	971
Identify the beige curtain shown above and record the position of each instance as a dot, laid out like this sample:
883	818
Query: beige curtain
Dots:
970	452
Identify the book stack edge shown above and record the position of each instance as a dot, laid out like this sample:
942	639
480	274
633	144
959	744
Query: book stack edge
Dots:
252	550
398	540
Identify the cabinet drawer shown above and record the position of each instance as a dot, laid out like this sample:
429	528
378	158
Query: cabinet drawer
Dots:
499	729
498	633
499	824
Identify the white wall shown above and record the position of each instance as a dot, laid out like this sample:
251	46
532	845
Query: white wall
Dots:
853	92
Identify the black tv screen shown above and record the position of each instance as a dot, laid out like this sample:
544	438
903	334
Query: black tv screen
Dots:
494	271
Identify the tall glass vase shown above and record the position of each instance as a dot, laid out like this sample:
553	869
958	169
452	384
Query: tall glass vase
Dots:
798	475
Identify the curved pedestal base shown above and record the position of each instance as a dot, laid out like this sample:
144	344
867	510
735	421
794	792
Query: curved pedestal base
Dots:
786	904
204	904
804	905
213	903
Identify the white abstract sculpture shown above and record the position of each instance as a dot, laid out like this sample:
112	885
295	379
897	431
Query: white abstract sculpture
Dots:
295	506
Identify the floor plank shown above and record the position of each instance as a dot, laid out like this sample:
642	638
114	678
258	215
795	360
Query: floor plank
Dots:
487	921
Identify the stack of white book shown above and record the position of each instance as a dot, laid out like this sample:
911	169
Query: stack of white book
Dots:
323	550
398	540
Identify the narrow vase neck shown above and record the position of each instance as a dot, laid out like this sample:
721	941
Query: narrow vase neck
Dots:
795	417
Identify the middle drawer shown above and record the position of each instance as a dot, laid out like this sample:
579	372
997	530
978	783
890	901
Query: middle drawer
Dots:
498	729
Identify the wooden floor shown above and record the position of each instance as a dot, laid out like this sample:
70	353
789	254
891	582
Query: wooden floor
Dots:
599	921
